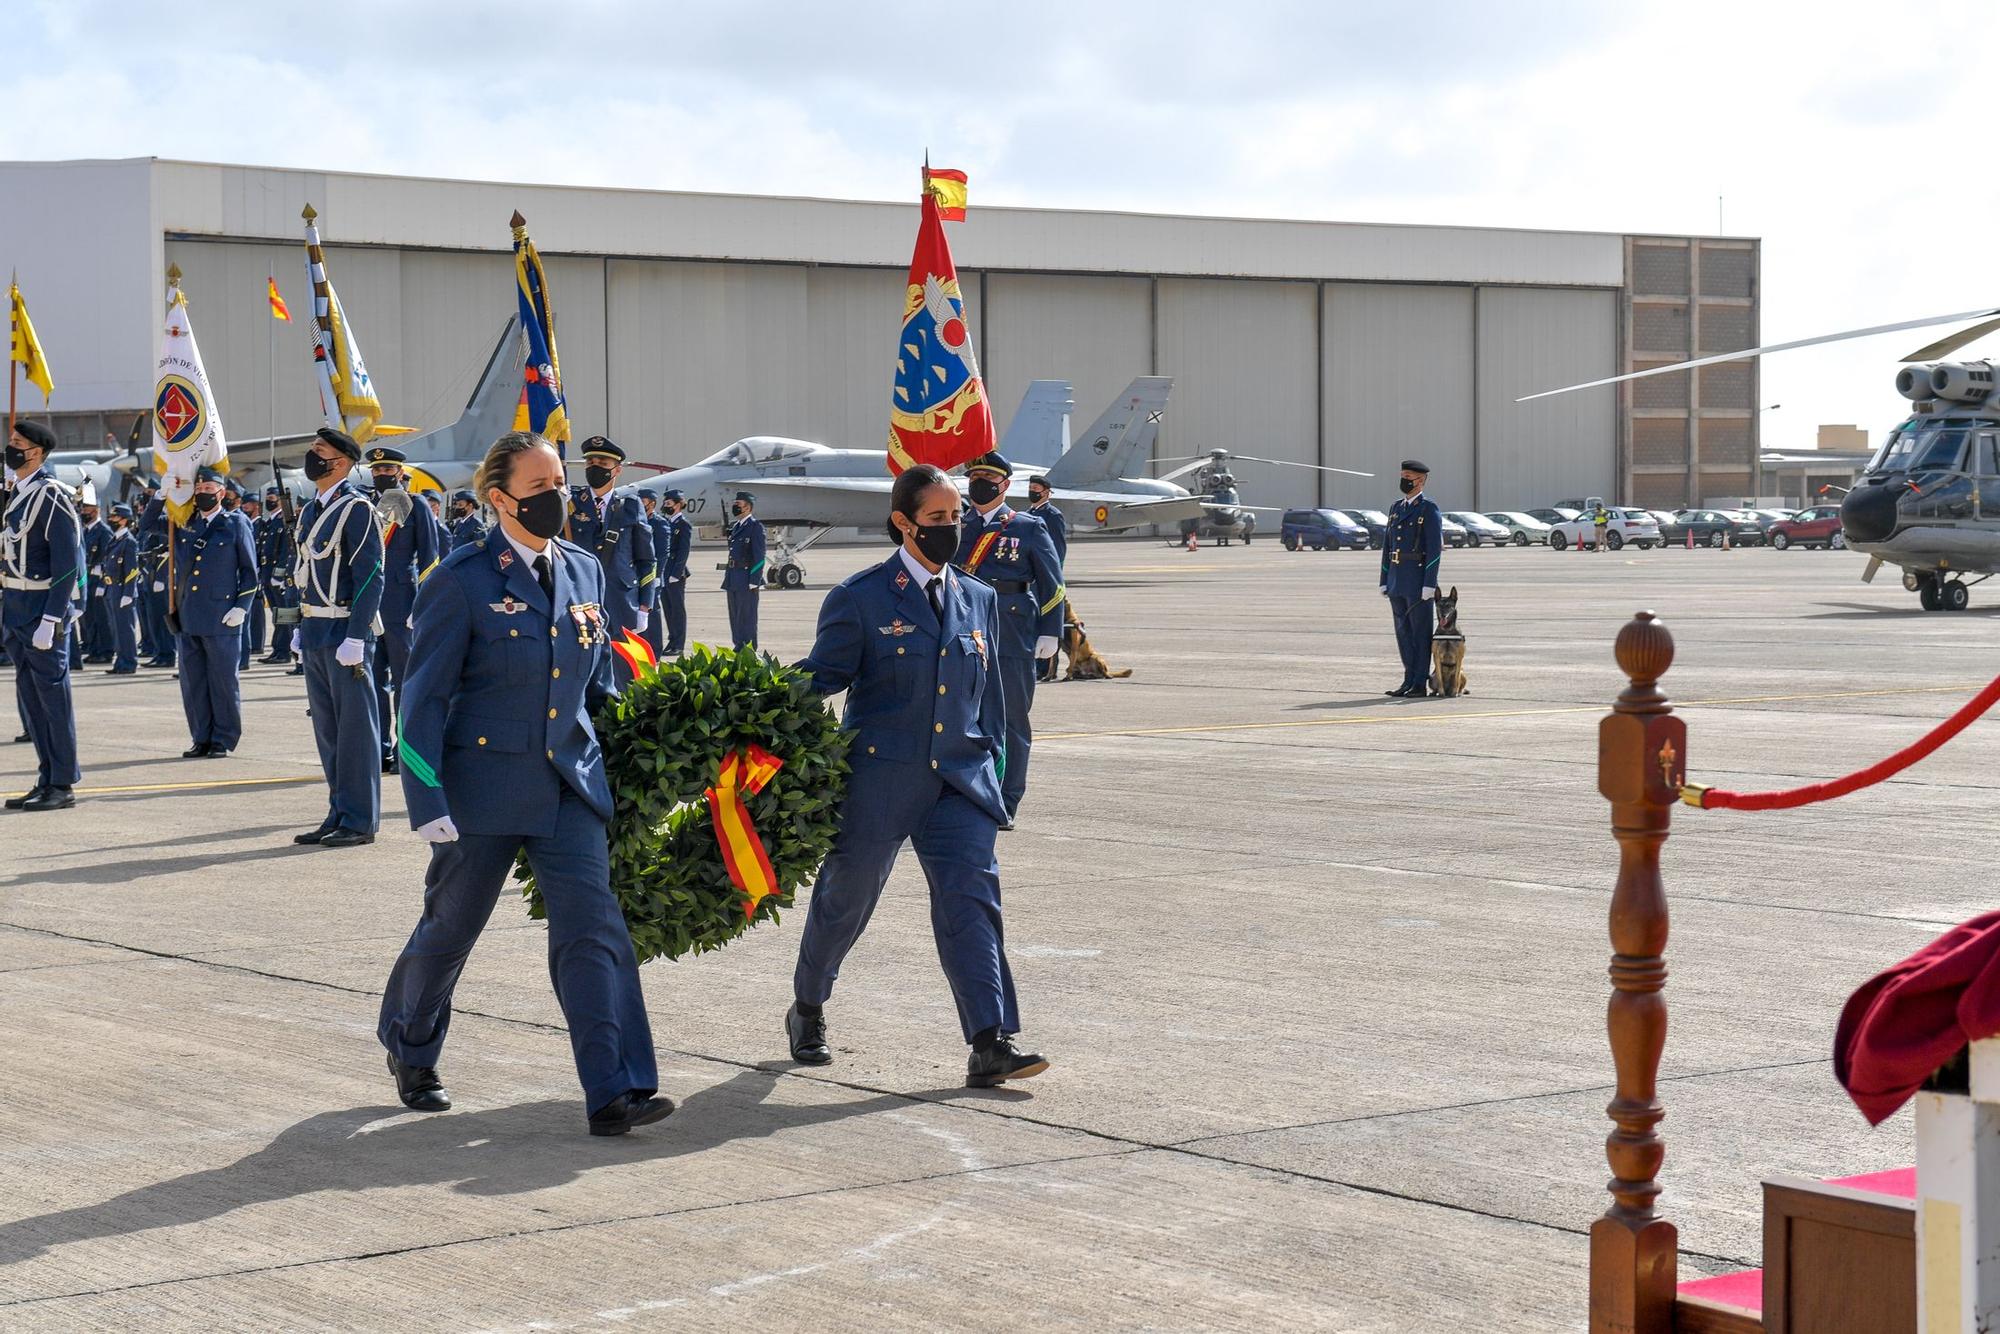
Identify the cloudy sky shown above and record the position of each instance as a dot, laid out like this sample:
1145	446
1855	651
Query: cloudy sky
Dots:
1854	139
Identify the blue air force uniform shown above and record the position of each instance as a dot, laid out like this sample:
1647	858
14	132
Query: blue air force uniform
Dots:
1058	526
467	530
673	541
215	573
409	554
122	573
96	639
1021	566
928	713
339	578
743	577
1412	545
41	575
613	528
153	589
497	735
277	553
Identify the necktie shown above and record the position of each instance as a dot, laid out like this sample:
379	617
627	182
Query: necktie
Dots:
936	590
546	576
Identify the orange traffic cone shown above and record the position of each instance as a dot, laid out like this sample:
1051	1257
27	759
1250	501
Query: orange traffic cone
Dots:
1690	538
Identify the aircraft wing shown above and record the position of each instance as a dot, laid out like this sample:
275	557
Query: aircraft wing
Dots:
1097	510
1112	510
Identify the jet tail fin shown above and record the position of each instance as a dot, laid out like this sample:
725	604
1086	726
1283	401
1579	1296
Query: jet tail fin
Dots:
1117	443
489	412
1039	433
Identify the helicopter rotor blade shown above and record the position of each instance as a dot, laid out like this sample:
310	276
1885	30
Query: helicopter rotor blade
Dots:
1749	352
1179	458
1293	463
1184	469
1950	343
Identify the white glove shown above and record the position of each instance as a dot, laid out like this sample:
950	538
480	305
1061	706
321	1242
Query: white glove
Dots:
644	614
1385	589
1430	593
45	634
159	587
125	601
350	653
1045	646
233	618
410	621
440	830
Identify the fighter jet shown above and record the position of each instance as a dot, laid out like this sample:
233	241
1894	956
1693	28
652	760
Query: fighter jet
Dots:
800	485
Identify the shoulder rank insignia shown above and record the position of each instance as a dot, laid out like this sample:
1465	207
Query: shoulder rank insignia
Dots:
507	606
896	628
507	558
902	579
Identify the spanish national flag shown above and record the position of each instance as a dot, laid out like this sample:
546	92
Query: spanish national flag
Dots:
279	311
25	347
948	188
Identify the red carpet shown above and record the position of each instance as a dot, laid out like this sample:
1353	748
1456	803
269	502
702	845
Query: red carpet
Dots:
1744	1289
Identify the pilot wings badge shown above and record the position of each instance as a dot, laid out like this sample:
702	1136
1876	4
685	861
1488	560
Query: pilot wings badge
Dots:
896	628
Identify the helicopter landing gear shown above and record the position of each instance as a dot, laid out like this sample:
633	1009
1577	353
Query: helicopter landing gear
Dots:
1955	596
1935	594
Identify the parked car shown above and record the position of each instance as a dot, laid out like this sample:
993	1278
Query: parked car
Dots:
1454	533
1815	527
1481	530
1710	526
1773	515
1523	529
1321	530
1628	526
1554	514
1375	521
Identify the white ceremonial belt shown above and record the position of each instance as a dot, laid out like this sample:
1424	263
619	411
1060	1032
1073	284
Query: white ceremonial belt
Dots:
324	613
24	585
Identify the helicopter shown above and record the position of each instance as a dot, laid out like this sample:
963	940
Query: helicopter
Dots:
1226	517
1928	501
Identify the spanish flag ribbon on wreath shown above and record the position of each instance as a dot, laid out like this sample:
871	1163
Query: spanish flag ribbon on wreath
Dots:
938	410
187	429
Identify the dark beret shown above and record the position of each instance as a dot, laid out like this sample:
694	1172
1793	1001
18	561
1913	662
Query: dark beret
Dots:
1038	480
341	441
598	447
990	462
1412	465
36	434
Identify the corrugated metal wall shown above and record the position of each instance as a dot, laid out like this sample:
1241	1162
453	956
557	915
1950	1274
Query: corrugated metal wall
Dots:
700	354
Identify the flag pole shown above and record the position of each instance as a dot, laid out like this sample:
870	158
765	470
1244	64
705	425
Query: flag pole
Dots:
13	333
173	617
272	270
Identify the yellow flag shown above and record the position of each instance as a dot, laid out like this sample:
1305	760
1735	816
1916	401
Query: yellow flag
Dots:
27	349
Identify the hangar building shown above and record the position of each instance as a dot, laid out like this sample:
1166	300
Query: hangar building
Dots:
687	320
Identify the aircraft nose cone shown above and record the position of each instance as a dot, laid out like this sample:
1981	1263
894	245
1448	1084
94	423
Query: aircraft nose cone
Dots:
1869	512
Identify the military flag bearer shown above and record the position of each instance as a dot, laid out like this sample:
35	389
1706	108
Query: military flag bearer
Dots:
1011	551
214	578
339	577
744	576
41	572
121	577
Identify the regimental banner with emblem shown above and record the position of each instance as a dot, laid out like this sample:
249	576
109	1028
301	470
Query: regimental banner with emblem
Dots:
346	394
938	411
187	430
542	408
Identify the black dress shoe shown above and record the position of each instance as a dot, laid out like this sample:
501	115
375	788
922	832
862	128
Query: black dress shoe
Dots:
196	751
216	752
808	1037
627	1110
123	671
298	669
51	799
19	739
1001	1062
389	765
16	803
346	838
419	1087
312	836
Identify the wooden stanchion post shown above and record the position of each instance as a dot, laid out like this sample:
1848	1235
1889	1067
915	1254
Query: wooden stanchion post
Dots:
1641	761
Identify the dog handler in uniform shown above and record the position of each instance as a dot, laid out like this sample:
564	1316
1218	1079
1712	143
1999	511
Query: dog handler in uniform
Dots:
512	657
914	645
1411	547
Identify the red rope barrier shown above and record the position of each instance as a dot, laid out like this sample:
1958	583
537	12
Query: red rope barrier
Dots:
1711	798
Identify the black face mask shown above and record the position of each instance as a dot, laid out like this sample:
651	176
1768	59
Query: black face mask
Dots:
598	477
738	511
1037	497
541	514
461	512
17	458
1407	484
318	467
205	502
384	485
938	542
984	490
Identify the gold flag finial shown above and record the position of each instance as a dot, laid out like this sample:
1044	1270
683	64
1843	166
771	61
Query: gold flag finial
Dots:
309	213
517	222
174	274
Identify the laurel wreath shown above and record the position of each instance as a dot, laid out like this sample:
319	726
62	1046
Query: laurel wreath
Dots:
664	739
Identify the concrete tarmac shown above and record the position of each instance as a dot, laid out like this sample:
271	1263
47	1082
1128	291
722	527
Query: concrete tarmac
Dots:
1322	975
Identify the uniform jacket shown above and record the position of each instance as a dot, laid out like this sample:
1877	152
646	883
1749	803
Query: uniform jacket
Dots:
1411	546
1058	526
96	541
920	695
746	554
215	569
621	540
673	542
122	566
408	555
276	554
338	564
41	539
1021	565
496	713
466	531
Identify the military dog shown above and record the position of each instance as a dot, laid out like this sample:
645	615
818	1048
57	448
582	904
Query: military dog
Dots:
1084	664
1448	649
